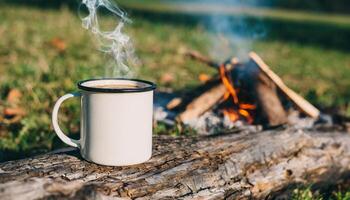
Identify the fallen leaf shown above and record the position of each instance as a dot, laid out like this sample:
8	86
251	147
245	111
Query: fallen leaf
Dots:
167	78
203	78
14	96
58	44
11	112
13	115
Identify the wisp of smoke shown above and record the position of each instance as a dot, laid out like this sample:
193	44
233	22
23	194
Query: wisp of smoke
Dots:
232	35
114	43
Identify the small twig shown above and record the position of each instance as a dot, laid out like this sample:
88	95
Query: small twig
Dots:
200	57
195	55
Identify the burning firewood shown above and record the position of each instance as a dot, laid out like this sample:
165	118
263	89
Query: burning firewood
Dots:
203	103
216	95
298	100
271	110
261	84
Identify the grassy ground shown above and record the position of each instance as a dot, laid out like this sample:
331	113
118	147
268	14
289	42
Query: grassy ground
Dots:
306	193
44	52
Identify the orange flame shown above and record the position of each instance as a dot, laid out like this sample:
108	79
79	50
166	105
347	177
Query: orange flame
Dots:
247	106
230	88
231	114
226	95
243	108
247	116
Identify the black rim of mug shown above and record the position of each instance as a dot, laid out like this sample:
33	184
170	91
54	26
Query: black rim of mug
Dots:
150	86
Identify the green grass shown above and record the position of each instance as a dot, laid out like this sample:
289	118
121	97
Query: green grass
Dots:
306	193
42	73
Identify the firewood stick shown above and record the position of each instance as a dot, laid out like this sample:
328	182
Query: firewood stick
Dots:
298	100
229	65
271	112
200	57
203	103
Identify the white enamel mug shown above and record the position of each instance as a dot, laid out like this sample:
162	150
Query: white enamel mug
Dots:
116	123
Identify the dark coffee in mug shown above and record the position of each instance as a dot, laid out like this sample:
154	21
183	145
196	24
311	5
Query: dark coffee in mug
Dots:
118	86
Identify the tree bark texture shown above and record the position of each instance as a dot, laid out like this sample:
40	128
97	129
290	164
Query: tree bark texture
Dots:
232	166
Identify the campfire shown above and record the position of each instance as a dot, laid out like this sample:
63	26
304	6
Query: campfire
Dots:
246	92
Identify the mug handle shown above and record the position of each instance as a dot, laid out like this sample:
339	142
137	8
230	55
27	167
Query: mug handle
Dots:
56	127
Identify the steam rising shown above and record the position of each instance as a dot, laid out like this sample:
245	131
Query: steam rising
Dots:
114	43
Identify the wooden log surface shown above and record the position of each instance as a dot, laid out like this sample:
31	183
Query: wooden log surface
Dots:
233	166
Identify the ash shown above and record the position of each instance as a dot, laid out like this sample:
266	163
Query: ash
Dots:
211	122
298	122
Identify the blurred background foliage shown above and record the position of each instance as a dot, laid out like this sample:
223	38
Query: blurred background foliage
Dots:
331	6
334	6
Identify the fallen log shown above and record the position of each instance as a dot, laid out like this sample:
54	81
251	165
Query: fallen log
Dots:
234	166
